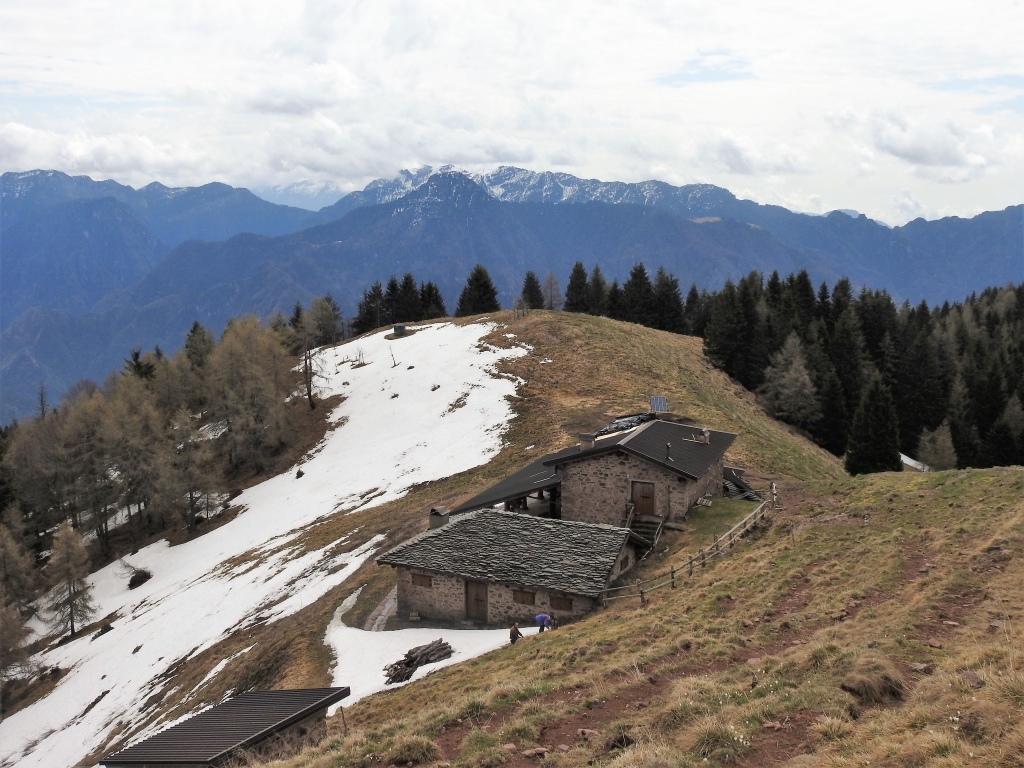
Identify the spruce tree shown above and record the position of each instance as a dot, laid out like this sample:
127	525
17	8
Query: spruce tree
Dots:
831	430
597	290
845	352
638	297
372	311
533	296
479	295
577	294
408	307
692	312
874	444
431	301
668	303
616	305
295	321
722	334
391	299
70	602
198	345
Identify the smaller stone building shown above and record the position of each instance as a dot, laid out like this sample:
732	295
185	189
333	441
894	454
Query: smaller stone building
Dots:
498	567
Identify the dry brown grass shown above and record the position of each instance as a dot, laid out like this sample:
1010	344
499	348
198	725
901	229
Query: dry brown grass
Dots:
846	548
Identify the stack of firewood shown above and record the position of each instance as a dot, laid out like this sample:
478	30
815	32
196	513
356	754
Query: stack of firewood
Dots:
430	653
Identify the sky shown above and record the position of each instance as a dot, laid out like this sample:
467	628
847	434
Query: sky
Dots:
894	109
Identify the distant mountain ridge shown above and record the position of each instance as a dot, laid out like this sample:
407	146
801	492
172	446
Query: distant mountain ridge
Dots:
86	274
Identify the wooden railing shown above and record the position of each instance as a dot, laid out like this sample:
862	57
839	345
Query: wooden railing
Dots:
720	546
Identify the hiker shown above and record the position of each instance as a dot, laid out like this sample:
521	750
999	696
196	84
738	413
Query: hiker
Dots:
514	633
543	621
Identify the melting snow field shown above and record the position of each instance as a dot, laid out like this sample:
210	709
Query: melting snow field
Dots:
361	656
448	416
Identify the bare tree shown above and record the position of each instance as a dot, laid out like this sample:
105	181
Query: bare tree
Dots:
552	292
70	601
788	392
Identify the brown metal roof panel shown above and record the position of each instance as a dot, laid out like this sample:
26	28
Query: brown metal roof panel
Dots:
241	721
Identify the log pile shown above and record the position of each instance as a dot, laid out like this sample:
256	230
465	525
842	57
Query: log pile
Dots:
415	658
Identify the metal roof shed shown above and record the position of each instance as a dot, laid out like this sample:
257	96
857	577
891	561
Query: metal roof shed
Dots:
245	723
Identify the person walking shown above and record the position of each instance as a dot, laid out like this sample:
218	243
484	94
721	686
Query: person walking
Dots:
514	634
543	621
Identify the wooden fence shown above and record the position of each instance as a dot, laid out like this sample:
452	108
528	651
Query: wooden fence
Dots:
720	546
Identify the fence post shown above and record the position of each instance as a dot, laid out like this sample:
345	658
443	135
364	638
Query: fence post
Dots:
640	589
703	554
691	566
673	577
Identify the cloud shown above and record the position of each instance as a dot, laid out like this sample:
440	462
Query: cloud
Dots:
711	67
740	155
942	151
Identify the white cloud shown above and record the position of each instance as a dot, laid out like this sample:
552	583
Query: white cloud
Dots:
850	103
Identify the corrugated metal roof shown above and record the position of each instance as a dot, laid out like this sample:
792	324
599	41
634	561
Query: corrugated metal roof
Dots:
242	721
650	441
521	550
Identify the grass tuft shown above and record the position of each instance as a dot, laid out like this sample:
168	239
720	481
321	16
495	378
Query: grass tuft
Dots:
875	682
414	750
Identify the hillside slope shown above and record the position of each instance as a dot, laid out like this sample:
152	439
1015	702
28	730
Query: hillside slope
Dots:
270	580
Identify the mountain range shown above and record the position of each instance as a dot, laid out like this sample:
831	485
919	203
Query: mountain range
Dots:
90	269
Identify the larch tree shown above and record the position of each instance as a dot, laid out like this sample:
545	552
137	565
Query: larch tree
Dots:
552	292
69	605
874	444
788	392
577	295
17	577
533	294
935	448
479	294
185	475
250	379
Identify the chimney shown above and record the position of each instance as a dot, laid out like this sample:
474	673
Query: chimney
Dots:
706	433
668	451
438	516
586	441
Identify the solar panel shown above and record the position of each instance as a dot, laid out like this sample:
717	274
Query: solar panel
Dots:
659	404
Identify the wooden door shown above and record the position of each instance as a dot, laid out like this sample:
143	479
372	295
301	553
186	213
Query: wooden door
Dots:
476	600
643	498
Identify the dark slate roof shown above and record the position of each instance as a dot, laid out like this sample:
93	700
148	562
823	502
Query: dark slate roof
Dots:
648	441
520	550
215	733
531	478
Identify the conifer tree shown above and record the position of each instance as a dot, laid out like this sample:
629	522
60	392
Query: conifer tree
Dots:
391	298
722	334
577	294
845	352
408	307
198	344
694	312
935	448
479	294
616	304
552	292
874	444
295	321
372	311
597	293
831	430
788	392
431	302
70	602
668	303
638	297
533	295
17	577
13	633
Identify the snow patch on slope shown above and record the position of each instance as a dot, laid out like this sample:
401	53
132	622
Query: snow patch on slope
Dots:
253	569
